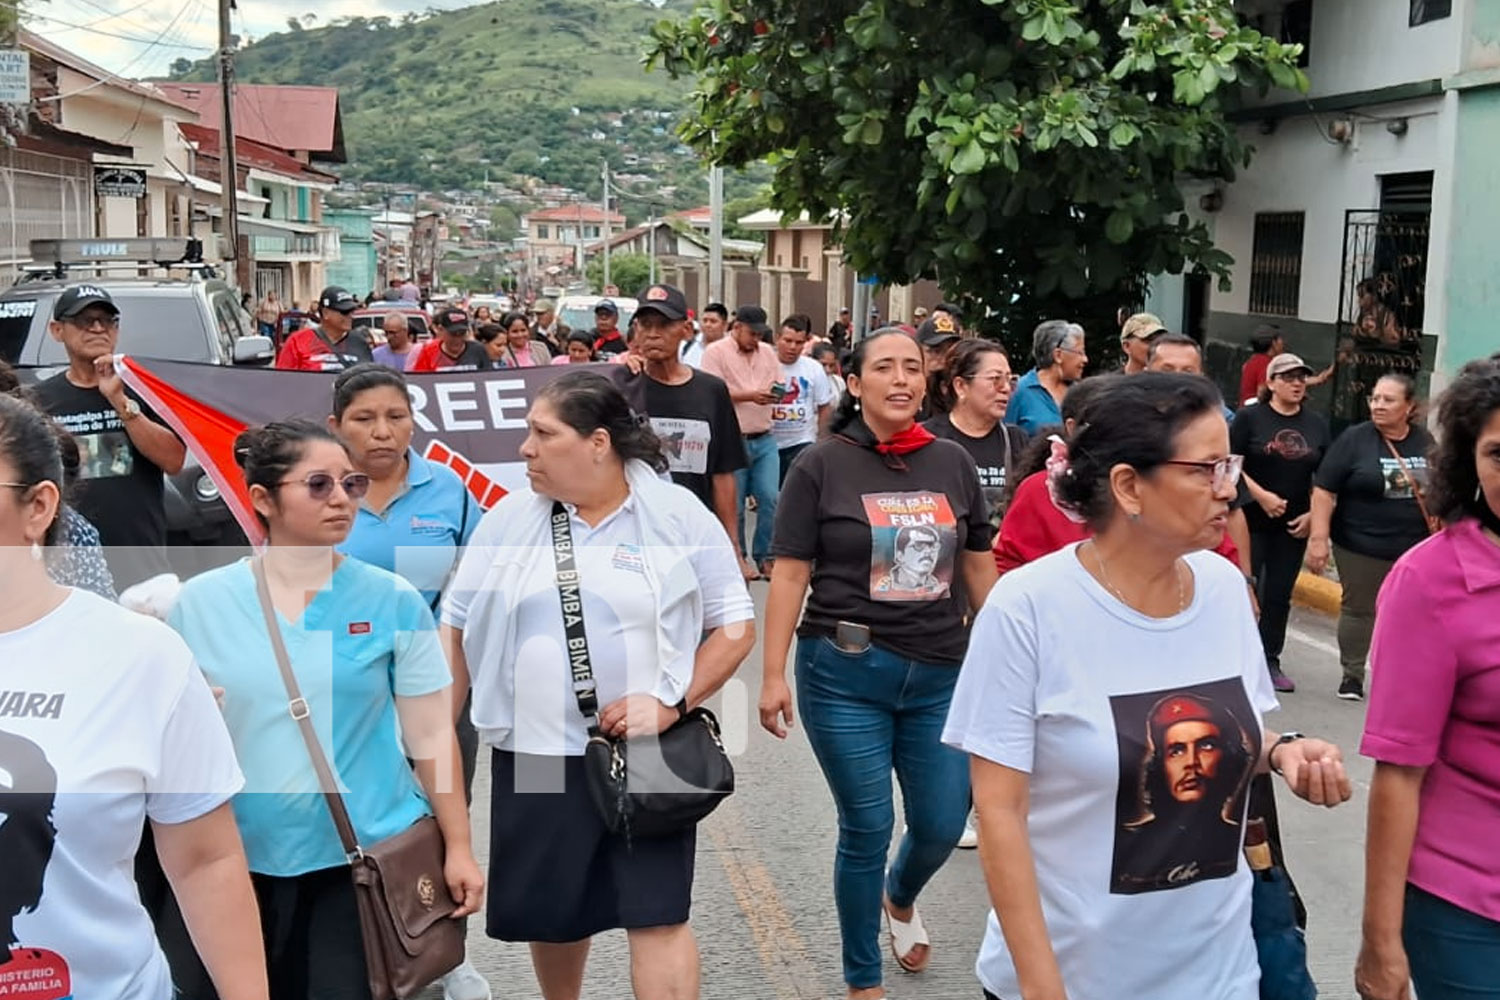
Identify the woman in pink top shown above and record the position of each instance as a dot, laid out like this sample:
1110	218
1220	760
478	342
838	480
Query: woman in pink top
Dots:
1432	852
519	350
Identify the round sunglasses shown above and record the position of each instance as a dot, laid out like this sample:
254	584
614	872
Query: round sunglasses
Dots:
320	485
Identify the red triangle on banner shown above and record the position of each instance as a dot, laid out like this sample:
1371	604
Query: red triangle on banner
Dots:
208	432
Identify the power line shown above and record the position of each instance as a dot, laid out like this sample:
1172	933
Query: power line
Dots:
118	76
111	15
156	42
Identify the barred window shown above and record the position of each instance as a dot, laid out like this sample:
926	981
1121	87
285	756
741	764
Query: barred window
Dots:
1276	263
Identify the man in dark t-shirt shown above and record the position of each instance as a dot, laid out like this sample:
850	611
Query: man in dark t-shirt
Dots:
690	410
451	350
608	340
124	447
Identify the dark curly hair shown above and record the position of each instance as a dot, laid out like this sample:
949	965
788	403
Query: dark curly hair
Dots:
1468	404
1130	420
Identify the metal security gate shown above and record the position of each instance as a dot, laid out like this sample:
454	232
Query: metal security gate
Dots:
1382	302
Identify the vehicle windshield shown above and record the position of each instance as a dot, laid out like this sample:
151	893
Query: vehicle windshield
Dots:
151	326
582	317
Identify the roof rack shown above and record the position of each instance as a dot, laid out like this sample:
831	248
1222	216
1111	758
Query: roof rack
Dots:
53	258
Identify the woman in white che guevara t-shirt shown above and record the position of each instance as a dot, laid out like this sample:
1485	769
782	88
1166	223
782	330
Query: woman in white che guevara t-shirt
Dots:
1111	703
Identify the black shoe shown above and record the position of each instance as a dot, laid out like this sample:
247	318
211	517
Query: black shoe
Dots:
1351	689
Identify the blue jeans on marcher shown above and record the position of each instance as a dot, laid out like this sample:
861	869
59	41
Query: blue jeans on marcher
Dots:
1454	954
867	714
760	479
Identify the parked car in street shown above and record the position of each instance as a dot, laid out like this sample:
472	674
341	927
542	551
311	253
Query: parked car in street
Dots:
372	319
577	311
192	315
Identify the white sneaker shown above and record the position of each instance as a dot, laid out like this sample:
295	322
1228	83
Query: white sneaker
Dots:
465	983
970	838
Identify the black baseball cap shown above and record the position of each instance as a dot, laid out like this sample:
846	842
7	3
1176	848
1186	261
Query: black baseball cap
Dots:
453	320
606	306
664	300
936	330
76	298
338	299
753	317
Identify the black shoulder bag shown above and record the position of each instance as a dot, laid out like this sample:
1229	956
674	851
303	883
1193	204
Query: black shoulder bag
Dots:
650	786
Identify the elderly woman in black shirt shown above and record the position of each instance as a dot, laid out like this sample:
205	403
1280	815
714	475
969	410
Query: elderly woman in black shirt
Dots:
890	527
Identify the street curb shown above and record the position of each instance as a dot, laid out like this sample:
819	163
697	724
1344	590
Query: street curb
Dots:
1318	593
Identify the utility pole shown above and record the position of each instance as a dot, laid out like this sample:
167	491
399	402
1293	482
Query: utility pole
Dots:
716	233
229	170
651	221
606	223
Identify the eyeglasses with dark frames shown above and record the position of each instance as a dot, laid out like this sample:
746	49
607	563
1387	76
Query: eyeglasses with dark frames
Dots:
90	322
320	485
1223	473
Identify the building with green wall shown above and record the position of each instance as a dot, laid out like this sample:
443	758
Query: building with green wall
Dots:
356	270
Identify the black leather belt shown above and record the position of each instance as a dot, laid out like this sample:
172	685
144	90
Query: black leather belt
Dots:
757	434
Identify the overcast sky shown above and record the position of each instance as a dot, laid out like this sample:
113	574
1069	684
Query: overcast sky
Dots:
137	38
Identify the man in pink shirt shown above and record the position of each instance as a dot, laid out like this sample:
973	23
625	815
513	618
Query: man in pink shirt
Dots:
747	363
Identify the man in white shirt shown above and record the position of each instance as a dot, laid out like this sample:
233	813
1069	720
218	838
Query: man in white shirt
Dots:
715	323
802	412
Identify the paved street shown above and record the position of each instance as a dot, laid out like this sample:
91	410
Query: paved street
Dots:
763	904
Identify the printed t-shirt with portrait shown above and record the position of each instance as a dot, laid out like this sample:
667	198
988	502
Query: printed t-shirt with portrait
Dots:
1377	513
309	350
365	639
699	433
432	358
994	455
1281	454
885	542
120	490
91	746
794	420
1139	736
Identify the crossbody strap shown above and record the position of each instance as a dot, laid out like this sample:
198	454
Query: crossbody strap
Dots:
570	594
1416	490
297	707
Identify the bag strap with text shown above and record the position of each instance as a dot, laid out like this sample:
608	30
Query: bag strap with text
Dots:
571	596
1416	491
298	708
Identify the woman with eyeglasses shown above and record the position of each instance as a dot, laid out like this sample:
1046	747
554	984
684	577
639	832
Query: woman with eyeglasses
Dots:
366	655
1282	442
1368	508
108	728
1111	704
975	388
885	531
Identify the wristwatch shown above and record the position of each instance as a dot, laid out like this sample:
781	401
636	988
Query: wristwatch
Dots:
1282	740
129	411
682	709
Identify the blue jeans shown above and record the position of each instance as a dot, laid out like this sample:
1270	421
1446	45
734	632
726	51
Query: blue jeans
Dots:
760	479
867	713
1454	954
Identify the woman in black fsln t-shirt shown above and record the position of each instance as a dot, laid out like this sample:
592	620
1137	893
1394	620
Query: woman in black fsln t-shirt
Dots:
891	529
1282	442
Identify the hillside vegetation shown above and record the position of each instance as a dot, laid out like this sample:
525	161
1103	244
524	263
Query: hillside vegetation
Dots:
540	88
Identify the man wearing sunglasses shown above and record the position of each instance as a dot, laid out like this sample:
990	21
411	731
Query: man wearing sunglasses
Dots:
124	448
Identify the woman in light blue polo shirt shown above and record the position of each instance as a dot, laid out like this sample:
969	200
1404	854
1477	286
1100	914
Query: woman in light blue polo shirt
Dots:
364	648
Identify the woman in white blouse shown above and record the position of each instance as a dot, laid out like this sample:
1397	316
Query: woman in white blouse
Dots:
667	619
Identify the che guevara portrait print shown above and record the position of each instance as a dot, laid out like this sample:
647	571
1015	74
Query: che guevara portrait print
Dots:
1186	758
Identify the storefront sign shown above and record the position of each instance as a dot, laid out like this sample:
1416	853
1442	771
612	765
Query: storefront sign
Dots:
119	182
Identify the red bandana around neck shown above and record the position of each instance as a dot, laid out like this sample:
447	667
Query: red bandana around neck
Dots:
905	442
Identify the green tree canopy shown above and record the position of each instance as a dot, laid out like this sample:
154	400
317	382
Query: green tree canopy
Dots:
629	272
1026	153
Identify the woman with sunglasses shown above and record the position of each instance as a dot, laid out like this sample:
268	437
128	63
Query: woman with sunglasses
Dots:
1282	442
1111	705
885	531
365	651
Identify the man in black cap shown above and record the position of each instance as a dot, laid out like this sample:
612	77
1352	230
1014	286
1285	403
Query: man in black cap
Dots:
608	341
690	409
838	332
124	447
451	350
938	335
332	344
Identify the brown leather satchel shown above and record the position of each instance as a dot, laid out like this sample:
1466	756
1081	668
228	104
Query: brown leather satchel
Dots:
1434	524
405	912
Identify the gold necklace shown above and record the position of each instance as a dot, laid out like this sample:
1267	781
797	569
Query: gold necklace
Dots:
1104	573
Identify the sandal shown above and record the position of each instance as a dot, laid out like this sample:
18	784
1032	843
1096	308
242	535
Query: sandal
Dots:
906	937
